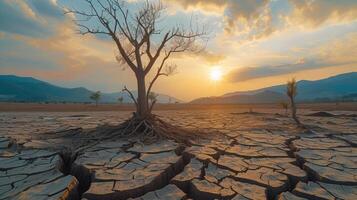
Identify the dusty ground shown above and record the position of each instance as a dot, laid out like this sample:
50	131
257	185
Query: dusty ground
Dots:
253	156
42	107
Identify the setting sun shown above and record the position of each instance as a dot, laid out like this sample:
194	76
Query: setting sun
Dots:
216	74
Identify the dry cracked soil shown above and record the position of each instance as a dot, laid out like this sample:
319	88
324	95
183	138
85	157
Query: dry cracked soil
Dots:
252	156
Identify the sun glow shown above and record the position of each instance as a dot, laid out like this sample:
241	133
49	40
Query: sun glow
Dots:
215	74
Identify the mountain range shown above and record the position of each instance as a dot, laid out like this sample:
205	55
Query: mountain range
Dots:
342	87
27	89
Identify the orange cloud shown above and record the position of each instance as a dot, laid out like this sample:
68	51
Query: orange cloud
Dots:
339	52
248	17
209	5
318	12
79	57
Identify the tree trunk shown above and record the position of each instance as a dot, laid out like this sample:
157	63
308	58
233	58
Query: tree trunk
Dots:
142	109
293	110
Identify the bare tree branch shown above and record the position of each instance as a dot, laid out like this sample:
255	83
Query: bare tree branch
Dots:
152	105
152	98
131	95
141	43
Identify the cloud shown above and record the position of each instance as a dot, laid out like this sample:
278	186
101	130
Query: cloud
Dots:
248	73
36	37
210	5
314	13
65	58
256	19
72	50
18	18
24	7
47	8
43	43
338	52
249	18
205	56
35	18
211	57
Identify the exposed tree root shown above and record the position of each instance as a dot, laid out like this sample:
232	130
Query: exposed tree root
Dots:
152	129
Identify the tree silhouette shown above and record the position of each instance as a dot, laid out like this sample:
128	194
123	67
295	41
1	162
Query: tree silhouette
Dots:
142	44
291	91
120	99
95	97
285	106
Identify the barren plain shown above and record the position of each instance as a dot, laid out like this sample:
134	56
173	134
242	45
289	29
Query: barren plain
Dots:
253	155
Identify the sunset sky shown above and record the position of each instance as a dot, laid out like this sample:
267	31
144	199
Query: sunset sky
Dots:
253	44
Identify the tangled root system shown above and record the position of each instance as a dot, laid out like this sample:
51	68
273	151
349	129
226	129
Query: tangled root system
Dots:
152	128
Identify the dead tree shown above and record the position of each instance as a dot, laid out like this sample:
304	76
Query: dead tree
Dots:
291	91
142	44
285	106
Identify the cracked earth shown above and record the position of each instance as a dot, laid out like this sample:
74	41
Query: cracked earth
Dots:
252	156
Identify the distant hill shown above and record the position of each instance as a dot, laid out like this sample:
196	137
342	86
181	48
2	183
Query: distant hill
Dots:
342	87
28	89
260	97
